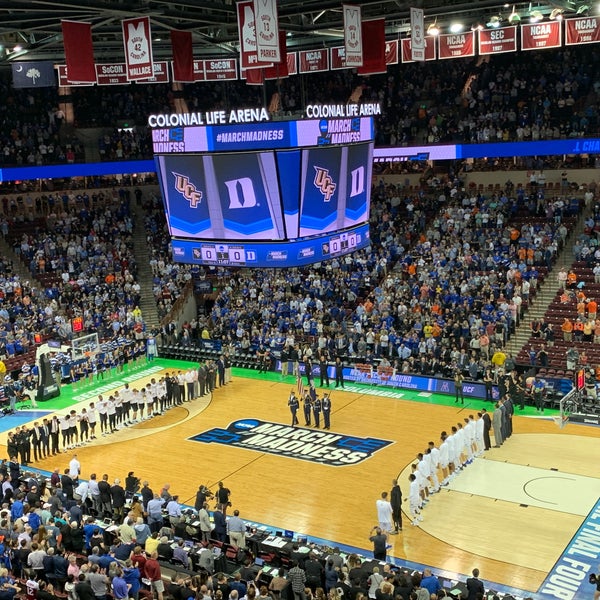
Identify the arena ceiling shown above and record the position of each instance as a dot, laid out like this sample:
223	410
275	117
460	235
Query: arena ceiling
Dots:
33	26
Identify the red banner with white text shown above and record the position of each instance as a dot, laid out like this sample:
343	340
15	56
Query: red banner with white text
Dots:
540	36
137	40
497	41
406	49
391	52
314	61
456	45
583	30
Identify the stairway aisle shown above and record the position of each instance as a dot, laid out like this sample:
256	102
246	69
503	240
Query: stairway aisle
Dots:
144	273
547	290
18	267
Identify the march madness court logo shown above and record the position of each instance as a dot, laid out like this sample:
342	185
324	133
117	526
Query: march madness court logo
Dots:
294	442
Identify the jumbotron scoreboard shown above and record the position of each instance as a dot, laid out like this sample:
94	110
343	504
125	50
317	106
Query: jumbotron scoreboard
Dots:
242	190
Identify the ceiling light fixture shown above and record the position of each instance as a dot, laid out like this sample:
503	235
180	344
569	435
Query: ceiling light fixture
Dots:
433	29
535	16
456	27
514	16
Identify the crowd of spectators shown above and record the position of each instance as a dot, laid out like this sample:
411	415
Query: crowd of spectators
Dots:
543	95
441	291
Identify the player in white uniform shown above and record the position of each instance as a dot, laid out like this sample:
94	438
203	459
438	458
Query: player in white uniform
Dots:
424	468
479	424
433	455
459	446
414	500
384	513
471	431
422	482
452	465
444	458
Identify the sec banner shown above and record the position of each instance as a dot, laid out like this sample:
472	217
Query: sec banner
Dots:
539	36
407	50
584	30
496	41
456	45
138	48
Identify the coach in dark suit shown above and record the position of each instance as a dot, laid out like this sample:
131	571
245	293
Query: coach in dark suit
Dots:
220	531
487	425
475	585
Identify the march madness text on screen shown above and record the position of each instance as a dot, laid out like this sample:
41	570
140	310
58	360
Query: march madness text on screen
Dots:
267	193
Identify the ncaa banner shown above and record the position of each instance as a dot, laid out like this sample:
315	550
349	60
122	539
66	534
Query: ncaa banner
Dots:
459	45
338	58
496	41
583	30
417	35
314	61
539	36
266	30
391	52
138	48
353	42
406	49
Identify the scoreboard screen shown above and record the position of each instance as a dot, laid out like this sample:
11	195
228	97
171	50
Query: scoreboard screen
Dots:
290	203
272	195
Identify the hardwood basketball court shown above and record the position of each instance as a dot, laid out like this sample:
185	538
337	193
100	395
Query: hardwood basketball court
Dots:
509	514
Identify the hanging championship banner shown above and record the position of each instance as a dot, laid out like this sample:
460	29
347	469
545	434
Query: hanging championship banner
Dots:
353	42
292	62
539	36
266	30
63	78
583	30
406	50
417	34
456	45
137	39
337	58
161	73
111	74
79	51
199	70
496	41
314	61
391	52
220	69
